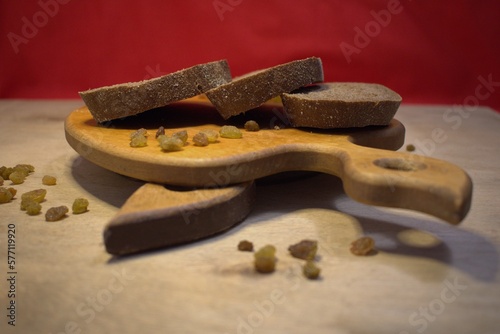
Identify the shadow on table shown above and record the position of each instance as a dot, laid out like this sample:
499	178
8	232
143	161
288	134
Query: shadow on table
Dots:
286	193
394	231
108	186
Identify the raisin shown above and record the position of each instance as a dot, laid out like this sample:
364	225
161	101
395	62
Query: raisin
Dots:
17	177
252	126
182	135
306	249
170	144
245	246
56	213
33	208
139	141
265	262
363	246
410	147
29	167
80	205
6	172
200	139
139	132
5	195
212	135
139	138
38	195
49	180
160	131
23	169
12	191
230	131
310	270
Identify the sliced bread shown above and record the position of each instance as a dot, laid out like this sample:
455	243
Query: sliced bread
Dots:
255	88
117	101
341	105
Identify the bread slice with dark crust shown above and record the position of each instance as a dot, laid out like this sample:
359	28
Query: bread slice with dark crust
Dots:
255	88
117	101
341	105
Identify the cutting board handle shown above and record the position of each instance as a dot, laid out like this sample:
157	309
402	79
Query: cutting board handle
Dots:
407	181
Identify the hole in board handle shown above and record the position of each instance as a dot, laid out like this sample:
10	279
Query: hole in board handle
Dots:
399	164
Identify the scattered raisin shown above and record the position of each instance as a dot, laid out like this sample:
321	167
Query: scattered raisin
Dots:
29	167
212	135
170	144
306	249
80	205
200	139
265	262
230	131
23	169
139	141
245	246
5	195
6	172
182	135
362	246
310	270
38	195
33	208
160	131
252	126
410	147
139	138
139	132
56	213
17	177
49	180
12	191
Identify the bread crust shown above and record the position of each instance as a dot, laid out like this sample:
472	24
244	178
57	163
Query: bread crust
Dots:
121	100
341	105
255	88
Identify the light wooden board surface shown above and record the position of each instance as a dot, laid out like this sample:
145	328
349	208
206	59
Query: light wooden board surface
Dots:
427	277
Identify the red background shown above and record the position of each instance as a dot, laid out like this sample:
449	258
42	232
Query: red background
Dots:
429	51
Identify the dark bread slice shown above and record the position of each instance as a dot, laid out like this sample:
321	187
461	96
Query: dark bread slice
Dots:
341	105
255	88
117	101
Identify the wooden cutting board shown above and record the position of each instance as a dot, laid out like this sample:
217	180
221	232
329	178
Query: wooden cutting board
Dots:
370	172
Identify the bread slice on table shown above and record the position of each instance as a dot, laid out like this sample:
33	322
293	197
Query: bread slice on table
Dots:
255	88
341	105
117	101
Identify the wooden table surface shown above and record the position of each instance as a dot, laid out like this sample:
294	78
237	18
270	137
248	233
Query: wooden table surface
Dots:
427	277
